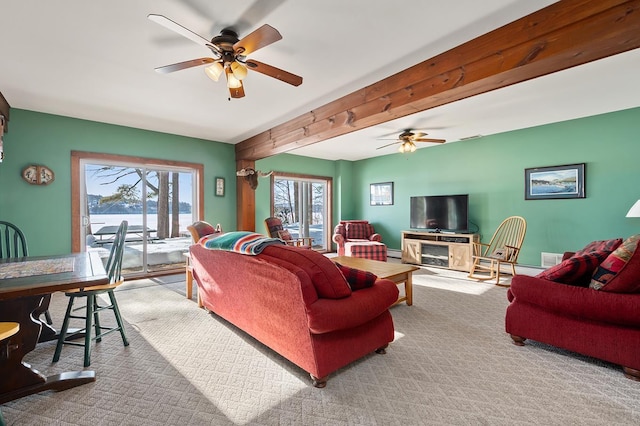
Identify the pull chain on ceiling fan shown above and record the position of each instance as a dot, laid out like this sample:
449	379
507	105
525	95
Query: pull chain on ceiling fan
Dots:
407	140
229	55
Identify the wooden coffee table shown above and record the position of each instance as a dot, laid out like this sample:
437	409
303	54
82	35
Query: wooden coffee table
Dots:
397	272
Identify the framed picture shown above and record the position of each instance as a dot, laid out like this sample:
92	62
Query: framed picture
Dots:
381	194
544	183
219	187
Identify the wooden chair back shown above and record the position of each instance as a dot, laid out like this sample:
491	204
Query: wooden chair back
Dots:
114	263
507	239
12	241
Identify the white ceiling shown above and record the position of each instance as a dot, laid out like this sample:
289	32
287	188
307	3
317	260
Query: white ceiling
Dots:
95	61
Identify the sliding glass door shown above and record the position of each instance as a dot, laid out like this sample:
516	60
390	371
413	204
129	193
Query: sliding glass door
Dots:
157	201
303	203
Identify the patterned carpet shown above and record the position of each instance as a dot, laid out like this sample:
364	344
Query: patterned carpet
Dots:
451	364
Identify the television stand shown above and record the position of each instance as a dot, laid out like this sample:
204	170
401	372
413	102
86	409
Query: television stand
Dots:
443	250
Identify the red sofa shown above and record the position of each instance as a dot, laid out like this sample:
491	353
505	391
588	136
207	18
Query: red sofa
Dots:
298	303
601	323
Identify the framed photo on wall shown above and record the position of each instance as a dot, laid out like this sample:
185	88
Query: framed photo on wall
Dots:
219	187
544	183
381	194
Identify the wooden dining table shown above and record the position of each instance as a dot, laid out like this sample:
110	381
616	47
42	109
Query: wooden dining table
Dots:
26	285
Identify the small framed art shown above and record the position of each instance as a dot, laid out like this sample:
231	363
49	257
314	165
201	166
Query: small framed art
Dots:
219	187
381	194
544	183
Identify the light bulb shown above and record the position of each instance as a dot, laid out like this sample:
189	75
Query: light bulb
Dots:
232	82
214	70
239	70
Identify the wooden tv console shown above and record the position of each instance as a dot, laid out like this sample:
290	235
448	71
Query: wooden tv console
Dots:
452	251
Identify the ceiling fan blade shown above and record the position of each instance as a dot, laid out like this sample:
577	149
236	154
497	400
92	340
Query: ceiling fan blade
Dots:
389	144
263	36
430	140
274	72
237	92
184	65
255	14
175	27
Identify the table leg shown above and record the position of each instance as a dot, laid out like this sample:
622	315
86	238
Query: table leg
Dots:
408	288
189	280
18	378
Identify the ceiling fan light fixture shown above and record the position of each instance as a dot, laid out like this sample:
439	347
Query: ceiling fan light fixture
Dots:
239	70
407	146
214	71
232	81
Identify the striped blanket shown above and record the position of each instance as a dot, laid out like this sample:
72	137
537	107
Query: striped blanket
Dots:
242	242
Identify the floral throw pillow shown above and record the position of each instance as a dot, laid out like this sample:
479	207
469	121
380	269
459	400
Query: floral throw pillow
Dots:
611	276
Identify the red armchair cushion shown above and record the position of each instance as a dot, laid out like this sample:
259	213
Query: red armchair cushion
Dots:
325	275
577	269
619	272
358	230
357	278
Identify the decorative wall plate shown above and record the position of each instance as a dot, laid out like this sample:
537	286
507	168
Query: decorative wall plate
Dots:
38	175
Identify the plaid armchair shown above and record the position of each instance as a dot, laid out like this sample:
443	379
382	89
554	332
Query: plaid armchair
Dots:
357	238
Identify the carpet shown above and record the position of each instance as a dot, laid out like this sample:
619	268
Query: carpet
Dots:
451	363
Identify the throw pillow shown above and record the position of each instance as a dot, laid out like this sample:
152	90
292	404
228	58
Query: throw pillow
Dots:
285	235
601	246
578	268
357	278
615	274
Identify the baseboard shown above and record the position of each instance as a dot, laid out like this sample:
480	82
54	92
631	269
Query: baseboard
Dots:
396	254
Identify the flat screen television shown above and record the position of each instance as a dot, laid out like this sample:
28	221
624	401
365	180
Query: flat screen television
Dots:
447	213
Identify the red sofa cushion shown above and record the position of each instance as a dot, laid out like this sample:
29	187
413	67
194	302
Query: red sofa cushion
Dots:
577	269
620	271
363	306
325	275
357	278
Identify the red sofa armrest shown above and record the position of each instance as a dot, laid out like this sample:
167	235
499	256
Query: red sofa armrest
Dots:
326	315
567	254
578	302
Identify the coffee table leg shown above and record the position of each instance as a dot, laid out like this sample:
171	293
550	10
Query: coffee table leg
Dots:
408	288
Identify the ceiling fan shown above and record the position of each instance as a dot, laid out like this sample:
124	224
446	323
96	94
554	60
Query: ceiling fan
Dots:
407	140
229	55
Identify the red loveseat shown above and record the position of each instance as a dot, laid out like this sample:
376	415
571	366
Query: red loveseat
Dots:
297	302
602	323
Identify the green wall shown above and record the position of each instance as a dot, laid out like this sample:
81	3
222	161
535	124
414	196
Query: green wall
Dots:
44	212
491	171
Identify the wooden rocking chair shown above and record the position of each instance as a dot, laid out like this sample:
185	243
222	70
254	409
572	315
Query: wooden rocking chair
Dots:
503	248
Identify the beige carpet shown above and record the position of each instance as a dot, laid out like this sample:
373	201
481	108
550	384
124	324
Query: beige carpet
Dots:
451	364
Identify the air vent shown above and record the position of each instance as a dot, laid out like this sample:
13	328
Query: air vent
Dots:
548	260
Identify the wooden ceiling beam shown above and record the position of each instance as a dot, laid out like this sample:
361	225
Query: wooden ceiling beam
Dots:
563	35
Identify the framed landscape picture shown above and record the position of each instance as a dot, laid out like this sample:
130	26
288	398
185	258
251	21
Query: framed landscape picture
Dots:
544	183
381	194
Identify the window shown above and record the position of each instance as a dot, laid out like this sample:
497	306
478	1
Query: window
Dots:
303	203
